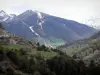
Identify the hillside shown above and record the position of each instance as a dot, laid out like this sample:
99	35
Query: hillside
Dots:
21	57
10	41
24	62
12	46
87	49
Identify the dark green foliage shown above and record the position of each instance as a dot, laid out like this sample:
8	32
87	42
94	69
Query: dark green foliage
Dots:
93	68
1	53
58	51
1	26
38	44
14	58
74	56
23	51
42	47
62	65
37	65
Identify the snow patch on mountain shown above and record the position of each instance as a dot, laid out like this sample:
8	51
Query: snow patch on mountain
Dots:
31	28
3	16
40	20
6	18
39	15
24	23
40	24
2	13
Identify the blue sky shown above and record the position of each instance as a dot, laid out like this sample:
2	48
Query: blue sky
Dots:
77	10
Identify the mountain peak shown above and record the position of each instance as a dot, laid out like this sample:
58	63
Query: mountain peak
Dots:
28	11
36	11
2	13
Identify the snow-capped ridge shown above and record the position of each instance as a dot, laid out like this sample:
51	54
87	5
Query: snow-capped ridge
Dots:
6	17
27	12
2	13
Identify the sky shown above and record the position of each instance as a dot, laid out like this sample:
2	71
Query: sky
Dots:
77	10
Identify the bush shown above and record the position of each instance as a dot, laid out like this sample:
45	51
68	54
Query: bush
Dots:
1	26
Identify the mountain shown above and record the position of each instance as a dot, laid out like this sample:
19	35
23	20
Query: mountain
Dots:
5	17
47	29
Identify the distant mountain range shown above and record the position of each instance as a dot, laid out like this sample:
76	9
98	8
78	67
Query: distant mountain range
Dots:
44	28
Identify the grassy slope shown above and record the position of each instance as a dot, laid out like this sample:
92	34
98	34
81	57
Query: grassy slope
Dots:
13	46
56	42
90	50
44	54
22	43
74	49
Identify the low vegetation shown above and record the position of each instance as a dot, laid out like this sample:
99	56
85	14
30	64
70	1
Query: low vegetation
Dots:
87	50
19	62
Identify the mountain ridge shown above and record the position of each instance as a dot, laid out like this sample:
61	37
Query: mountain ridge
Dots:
33	24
